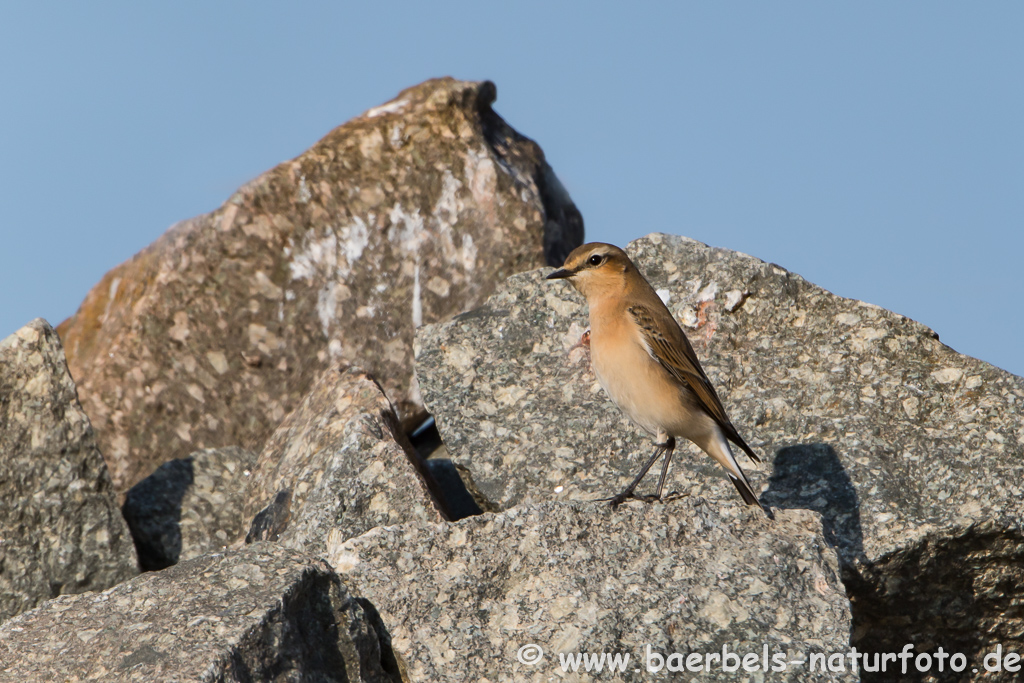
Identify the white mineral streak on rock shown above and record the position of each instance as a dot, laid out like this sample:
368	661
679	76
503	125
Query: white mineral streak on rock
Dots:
446	215
481	176
847	318
319	256
468	252
708	293
734	298
110	295
326	305
396	136
417	302
406	228
392	107
179	331
947	375
446	210
356	237
315	256
317	259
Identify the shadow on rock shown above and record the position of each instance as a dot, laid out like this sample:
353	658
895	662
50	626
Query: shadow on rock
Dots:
270	522
811	477
319	634
454	482
940	593
152	509
964	595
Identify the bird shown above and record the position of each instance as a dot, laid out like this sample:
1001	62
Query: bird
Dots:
646	365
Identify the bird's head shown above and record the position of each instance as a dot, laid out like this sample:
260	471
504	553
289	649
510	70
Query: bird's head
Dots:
595	269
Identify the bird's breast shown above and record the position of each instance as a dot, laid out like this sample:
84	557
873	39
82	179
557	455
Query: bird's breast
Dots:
636	382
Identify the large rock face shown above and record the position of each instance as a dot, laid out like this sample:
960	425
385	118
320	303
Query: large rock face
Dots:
406	215
60	527
913	453
263	613
462	600
338	462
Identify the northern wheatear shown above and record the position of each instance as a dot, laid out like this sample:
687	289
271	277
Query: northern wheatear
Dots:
645	363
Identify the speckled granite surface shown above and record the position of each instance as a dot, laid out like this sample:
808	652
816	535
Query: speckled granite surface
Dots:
190	506
338	462
912	453
60	527
682	577
256	614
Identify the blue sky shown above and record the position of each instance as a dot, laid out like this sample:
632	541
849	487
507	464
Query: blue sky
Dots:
875	148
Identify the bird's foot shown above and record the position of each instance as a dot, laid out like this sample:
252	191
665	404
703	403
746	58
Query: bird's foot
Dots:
615	501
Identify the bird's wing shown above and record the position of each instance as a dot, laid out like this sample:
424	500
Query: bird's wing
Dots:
676	355
667	344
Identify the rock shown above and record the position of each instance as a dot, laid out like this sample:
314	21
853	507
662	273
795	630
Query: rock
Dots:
518	406
913	453
60	527
405	215
341	462
189	506
257	614
462	600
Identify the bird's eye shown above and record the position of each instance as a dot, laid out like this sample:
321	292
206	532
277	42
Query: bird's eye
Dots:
595	260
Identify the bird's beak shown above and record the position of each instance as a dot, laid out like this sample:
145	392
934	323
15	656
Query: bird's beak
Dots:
559	274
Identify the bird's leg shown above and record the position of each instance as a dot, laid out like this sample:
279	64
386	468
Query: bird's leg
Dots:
668	445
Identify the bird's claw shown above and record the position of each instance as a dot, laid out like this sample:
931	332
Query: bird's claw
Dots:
618	500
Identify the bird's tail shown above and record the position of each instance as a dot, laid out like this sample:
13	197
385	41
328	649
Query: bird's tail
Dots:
734	436
743	486
721	452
